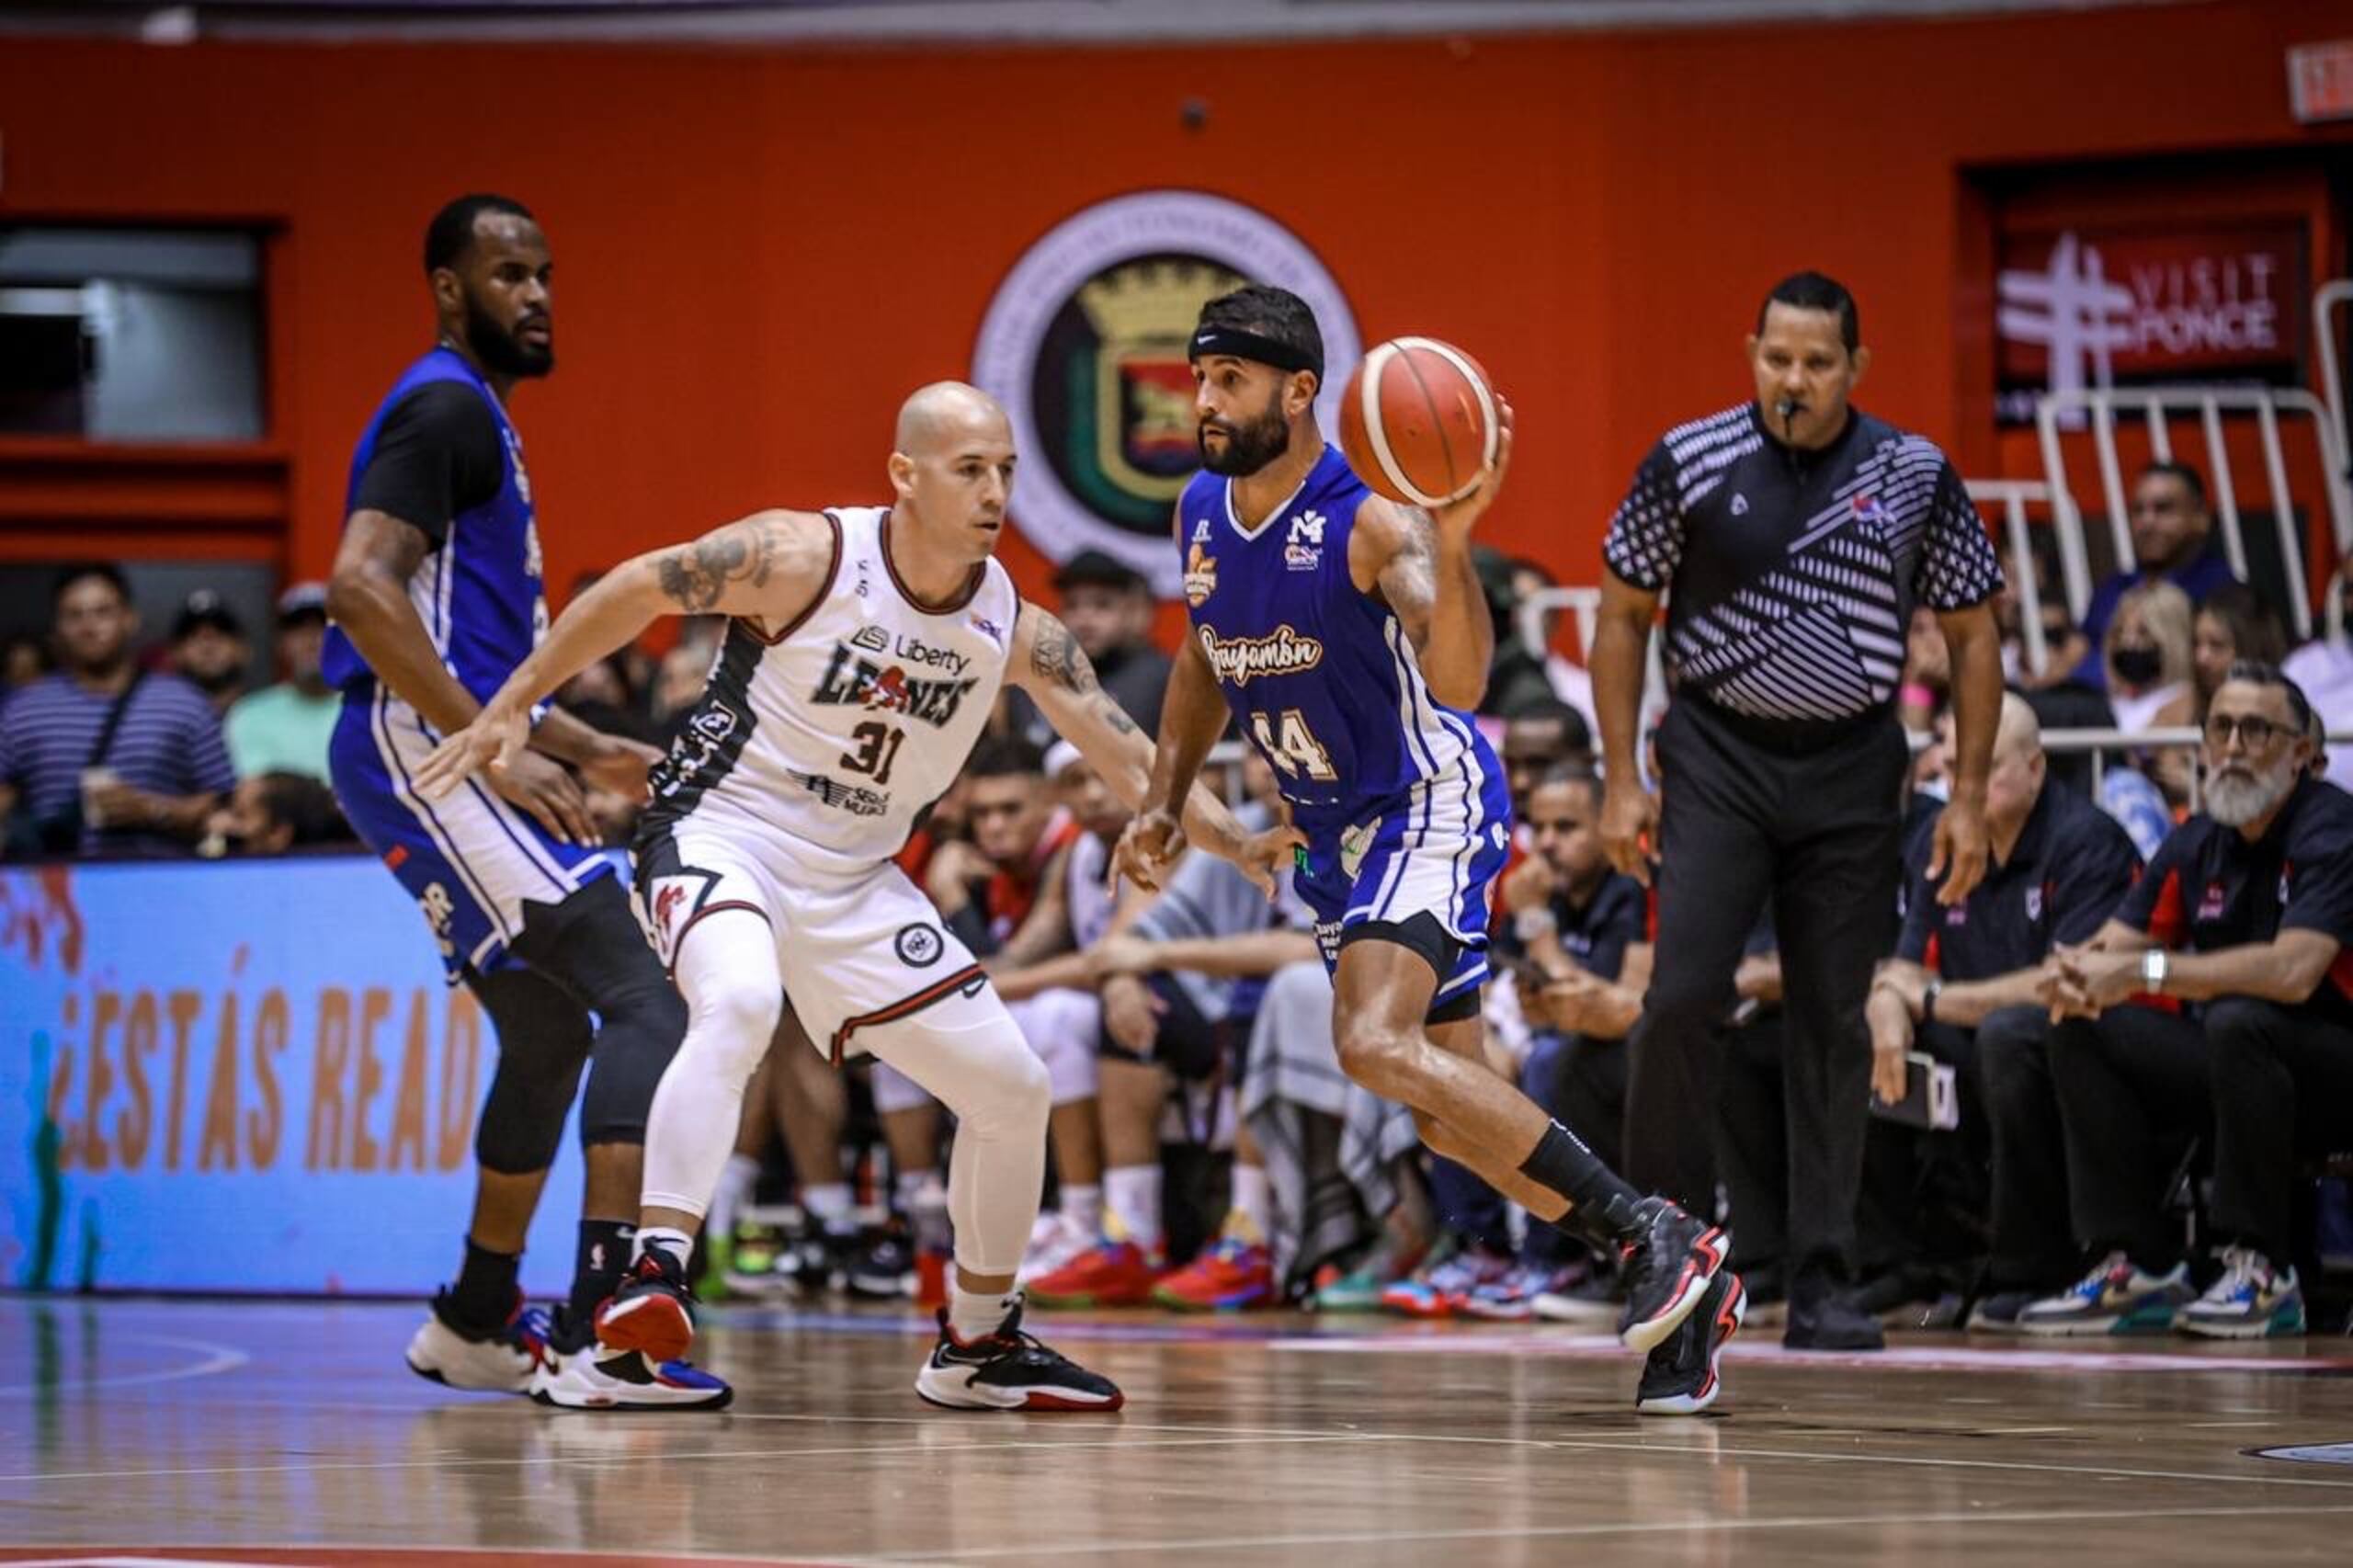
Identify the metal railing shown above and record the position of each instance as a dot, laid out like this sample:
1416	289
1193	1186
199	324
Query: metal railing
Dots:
2014	496
2158	406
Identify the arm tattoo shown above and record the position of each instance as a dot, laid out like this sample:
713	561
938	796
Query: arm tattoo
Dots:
696	574
1114	716
1055	656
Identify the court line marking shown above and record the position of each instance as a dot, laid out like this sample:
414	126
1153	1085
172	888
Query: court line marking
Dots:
1631	1528
453	1461
218	1359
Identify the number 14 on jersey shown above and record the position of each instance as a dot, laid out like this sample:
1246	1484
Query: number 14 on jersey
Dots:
1293	748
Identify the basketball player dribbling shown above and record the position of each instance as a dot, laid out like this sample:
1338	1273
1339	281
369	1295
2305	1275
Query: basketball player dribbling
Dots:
1348	638
866	649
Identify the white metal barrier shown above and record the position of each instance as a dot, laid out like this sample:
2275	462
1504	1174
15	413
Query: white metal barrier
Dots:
2014	496
2158	406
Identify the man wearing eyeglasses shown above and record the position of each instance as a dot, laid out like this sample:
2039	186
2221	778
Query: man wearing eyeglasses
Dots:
2240	926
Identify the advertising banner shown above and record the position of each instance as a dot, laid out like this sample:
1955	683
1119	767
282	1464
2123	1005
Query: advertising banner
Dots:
243	1076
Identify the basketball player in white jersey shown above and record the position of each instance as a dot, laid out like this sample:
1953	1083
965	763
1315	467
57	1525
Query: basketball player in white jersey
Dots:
866	650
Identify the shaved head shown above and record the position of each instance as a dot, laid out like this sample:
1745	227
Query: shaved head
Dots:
2019	733
945	413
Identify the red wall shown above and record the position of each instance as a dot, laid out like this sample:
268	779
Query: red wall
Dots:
759	253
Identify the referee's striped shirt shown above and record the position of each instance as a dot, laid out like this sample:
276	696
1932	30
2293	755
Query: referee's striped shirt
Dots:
1794	573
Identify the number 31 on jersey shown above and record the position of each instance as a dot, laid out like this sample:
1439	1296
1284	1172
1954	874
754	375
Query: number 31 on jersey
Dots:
1294	749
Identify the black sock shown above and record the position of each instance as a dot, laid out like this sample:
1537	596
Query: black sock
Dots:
602	1260
483	1298
1601	1206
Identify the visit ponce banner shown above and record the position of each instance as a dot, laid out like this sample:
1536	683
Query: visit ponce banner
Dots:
246	1076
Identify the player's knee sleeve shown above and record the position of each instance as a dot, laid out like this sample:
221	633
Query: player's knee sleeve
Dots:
593	946
1061	1026
970	1056
543	1039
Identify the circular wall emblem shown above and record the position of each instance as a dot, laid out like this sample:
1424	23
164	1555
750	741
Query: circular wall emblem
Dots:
920	946
1084	346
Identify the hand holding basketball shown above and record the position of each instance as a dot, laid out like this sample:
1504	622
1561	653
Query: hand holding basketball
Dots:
1422	426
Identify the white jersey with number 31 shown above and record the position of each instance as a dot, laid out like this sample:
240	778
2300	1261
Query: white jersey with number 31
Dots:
836	731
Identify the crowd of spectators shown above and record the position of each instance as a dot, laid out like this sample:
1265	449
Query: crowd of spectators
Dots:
2057	1146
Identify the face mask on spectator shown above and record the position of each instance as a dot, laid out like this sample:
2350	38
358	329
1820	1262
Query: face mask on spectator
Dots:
2139	665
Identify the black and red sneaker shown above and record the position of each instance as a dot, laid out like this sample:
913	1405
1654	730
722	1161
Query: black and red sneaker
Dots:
1680	1378
1667	1268
652	1311
1009	1370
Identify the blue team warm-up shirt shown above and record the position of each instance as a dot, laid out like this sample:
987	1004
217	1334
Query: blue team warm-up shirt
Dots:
1403	802
471	860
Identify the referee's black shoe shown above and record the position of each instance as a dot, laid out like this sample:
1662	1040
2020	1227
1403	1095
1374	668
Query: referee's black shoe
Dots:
1680	1378
1668	1263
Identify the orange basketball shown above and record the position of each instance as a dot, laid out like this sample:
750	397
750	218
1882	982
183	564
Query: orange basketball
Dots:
1417	421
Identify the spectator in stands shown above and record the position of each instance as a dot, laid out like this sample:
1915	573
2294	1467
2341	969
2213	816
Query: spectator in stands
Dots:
1541	734
102	757
1569	680
1962	988
1180	984
2065	648
1926	688
2324	667
24	659
209	648
286	727
1571	923
2147	655
2170	529
679	684
2242	915
2232	625
1108	608
271	813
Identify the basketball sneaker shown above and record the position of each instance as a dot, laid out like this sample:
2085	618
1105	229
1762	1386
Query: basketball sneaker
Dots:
1443	1284
1591	1299
1109	1274
1053	1242
652	1311
1998	1313
595	1378
1680	1378
749	1262
1008	1371
884	1271
1666	1269
502	1361
2116	1297
1229	1275
1512	1299
2251	1301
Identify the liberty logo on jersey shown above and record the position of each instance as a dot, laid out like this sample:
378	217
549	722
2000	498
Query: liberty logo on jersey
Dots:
1303	549
1239	660
854	682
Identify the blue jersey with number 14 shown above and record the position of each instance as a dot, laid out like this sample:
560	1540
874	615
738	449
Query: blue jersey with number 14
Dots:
1320	676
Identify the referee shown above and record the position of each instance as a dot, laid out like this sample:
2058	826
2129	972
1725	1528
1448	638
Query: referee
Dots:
1798	534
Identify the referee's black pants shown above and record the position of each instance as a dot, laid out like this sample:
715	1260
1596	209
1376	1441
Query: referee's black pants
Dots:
1809	816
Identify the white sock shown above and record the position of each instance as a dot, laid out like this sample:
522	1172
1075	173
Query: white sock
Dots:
826	1202
1082	1208
1253	1202
1133	1192
976	1314
678	1243
907	1188
734	1190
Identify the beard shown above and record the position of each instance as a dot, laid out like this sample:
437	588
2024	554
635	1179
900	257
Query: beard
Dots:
2237	798
1249	447
500	350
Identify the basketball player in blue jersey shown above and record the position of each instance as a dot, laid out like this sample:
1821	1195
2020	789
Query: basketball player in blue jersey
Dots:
436	598
1348	638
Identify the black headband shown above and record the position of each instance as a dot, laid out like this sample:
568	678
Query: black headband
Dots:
1244	344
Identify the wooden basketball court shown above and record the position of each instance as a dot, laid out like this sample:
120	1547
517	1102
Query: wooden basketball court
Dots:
278	1432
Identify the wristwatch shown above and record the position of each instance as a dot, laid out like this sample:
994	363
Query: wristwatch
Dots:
1928	995
2153	971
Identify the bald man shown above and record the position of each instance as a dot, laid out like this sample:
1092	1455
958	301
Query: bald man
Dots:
864	649
1962	988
